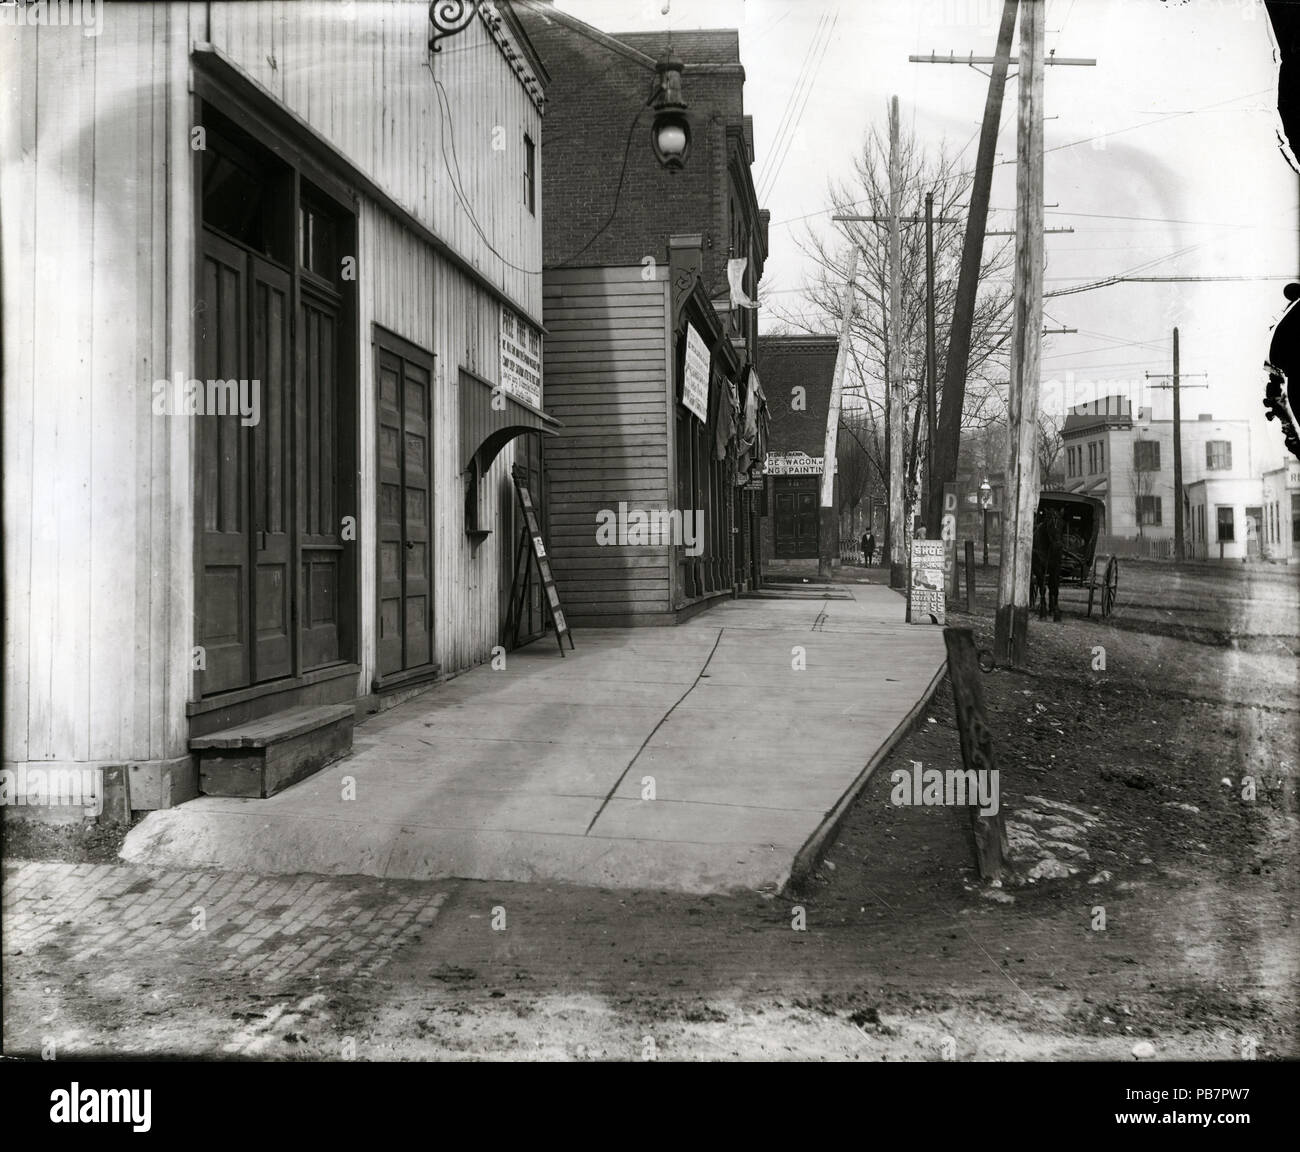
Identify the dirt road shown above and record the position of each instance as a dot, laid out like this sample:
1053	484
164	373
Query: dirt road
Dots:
1177	925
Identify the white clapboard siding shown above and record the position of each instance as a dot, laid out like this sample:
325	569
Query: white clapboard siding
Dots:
605	357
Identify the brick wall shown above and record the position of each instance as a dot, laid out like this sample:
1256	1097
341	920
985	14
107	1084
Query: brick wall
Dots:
597	92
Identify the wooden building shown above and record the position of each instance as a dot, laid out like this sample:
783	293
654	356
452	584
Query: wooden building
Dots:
272	326
649	363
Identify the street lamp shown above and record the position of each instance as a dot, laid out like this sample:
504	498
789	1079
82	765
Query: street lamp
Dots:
670	134
986	498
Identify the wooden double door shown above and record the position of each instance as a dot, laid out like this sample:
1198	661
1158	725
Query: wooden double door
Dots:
797	517
272	576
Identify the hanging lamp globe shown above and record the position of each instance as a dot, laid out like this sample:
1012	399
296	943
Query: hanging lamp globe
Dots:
670	134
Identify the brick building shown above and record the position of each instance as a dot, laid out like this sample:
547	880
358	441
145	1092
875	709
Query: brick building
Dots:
635	265
797	375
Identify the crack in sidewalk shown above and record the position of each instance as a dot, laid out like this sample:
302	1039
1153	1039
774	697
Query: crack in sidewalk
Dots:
636	755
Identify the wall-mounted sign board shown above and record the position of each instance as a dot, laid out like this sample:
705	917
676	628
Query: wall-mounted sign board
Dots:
695	374
521	359
794	463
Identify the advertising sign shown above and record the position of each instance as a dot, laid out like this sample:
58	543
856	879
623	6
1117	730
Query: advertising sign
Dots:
521	359
793	464
925	593
695	377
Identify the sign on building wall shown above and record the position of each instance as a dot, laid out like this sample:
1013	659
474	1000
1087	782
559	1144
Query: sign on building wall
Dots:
521	359
794	463
926	582
695	378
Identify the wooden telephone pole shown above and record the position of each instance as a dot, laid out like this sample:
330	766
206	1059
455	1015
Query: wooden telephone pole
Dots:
828	512
1011	625
944	466
1180	548
898	529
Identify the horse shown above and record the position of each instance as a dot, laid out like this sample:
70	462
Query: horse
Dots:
1045	573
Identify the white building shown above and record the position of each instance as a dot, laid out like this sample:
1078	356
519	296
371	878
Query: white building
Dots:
1129	462
1281	529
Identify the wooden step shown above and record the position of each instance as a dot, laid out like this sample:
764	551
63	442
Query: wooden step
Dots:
266	755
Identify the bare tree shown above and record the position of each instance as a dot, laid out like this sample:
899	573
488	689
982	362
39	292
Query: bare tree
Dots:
867	193
1050	446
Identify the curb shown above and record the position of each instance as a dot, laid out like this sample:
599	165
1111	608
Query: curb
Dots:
806	859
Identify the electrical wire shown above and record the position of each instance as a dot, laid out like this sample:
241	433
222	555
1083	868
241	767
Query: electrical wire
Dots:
782	148
790	102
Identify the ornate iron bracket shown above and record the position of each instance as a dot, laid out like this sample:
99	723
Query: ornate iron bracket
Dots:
449	17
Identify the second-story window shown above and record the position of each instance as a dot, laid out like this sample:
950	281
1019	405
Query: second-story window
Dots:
1218	455
1146	456
530	174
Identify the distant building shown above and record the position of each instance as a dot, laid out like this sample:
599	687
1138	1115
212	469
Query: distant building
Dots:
797	375
1281	530
1128	461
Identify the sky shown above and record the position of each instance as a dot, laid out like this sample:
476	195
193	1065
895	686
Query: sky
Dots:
1165	154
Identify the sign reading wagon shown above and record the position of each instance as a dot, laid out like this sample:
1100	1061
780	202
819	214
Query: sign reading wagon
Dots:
793	464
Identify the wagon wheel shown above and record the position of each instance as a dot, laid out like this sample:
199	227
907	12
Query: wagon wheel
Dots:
1110	588
1091	580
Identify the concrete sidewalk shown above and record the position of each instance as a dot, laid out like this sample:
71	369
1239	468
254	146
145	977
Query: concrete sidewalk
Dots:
537	771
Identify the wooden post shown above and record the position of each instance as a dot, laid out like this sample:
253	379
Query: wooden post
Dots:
991	848
970	576
898	533
827	521
934	513
1011	624
963	315
1180	552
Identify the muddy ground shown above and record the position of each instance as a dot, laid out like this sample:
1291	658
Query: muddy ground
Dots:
892	950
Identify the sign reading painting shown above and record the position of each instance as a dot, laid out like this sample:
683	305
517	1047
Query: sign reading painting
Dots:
794	463
695	378
521	359
926	584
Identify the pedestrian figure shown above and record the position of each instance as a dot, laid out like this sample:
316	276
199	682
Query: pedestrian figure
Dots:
868	548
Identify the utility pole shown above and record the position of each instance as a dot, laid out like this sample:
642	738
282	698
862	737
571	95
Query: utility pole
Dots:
959	332
1180	550
898	529
828	514
929	355
1011	625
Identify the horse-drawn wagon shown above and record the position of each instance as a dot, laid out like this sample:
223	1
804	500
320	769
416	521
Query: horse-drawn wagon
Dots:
1079	519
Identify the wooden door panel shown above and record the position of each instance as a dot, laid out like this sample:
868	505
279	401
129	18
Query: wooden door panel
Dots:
320	537
389	519
272	462
415	482
223	624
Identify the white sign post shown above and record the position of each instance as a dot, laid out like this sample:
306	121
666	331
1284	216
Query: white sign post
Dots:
695	378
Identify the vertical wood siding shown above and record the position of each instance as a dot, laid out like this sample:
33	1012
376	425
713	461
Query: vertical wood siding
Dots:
604	363
97	560
365	85
423	299
98	281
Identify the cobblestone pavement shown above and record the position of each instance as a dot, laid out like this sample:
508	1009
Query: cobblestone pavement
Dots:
267	927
